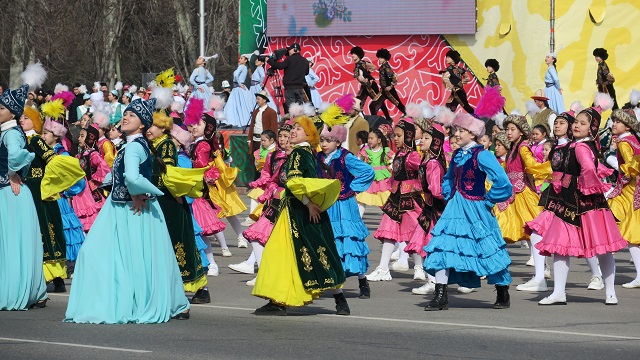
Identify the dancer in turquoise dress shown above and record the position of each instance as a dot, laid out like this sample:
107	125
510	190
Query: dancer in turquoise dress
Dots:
22	283
126	271
467	242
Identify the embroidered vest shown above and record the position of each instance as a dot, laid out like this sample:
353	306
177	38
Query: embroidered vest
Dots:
340	172
400	171
4	158
43	152
469	179
433	207
120	193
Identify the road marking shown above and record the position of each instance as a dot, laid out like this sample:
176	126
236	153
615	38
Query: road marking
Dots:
75	345
426	322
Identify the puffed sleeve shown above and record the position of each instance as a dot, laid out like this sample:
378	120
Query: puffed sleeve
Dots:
362	172
540	171
109	152
501	188
312	78
435	172
18	156
265	175
101	166
202	151
413	161
137	184
634	166
588	181
76	188
626	152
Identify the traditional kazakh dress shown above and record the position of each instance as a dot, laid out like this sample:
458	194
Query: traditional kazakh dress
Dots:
467	239
206	215
88	203
312	79
200	79
300	259
126	271
378	193
349	230
224	193
241	102
259	185
624	200
21	274
552	90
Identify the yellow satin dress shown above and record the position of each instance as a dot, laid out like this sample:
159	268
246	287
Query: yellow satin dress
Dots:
224	193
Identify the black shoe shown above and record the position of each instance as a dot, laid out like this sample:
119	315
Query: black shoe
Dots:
440	300
58	286
182	316
503	300
40	304
272	309
365	290
342	308
201	297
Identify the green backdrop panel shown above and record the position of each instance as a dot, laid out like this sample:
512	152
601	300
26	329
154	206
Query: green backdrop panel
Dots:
239	150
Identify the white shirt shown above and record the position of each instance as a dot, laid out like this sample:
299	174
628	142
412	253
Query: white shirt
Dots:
257	126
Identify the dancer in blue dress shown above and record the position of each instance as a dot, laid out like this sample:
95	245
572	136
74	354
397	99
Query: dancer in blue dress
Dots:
22	283
241	101
200	79
127	271
257	79
349	230
467	242
312	79
552	82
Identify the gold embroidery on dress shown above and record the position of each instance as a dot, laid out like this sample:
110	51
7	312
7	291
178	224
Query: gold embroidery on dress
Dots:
180	254
311	283
185	273
323	258
294	229
36	172
57	254
306	259
329	281
52	235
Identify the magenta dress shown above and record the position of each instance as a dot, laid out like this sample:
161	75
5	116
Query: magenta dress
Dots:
576	220
403	207
88	203
430	174
206	215
272	177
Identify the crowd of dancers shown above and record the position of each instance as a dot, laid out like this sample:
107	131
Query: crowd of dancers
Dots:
131	216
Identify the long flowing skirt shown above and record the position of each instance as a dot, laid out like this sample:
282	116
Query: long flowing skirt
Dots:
350	233
628	218
556	101
126	271
239	107
73	230
21	275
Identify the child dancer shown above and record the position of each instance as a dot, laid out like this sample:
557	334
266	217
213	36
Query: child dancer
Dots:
402	208
300	259
538	138
21	272
380	157
521	168
132	276
502	147
275	174
624	199
348	229
466	242
578	221
105	147
431	171
267	145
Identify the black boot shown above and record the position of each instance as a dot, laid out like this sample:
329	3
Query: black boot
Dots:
271	309
342	308
58	285
440	300
365	290
201	297
503	300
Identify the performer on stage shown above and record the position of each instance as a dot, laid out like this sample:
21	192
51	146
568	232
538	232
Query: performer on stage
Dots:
240	104
553	89
604	78
389	80
492	66
312	79
454	78
200	79
368	85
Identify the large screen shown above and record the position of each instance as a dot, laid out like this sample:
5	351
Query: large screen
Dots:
370	17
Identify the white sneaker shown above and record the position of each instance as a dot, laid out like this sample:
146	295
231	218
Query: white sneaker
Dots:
213	271
396	266
395	255
379	274
247	222
530	262
428	288
252	282
465	290
242	267
596	283
635	284
242	242
533	285
226	252
418	273
611	300
524	244
547	272
551	300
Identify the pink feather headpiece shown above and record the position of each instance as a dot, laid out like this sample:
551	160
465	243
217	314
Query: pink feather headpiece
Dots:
338	132
468	122
193	112
216	103
55	127
491	103
346	102
66	96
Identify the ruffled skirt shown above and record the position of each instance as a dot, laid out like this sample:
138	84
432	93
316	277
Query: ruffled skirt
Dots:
399	232
628	218
86	207
126	271
350	233
467	241
523	209
598	234
21	275
73	230
376	195
419	241
207	217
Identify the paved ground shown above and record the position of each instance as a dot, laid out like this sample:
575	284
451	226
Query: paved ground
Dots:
392	324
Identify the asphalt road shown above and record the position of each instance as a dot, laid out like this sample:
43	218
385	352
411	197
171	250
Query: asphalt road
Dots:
392	324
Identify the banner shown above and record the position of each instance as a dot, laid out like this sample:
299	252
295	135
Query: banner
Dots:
253	25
